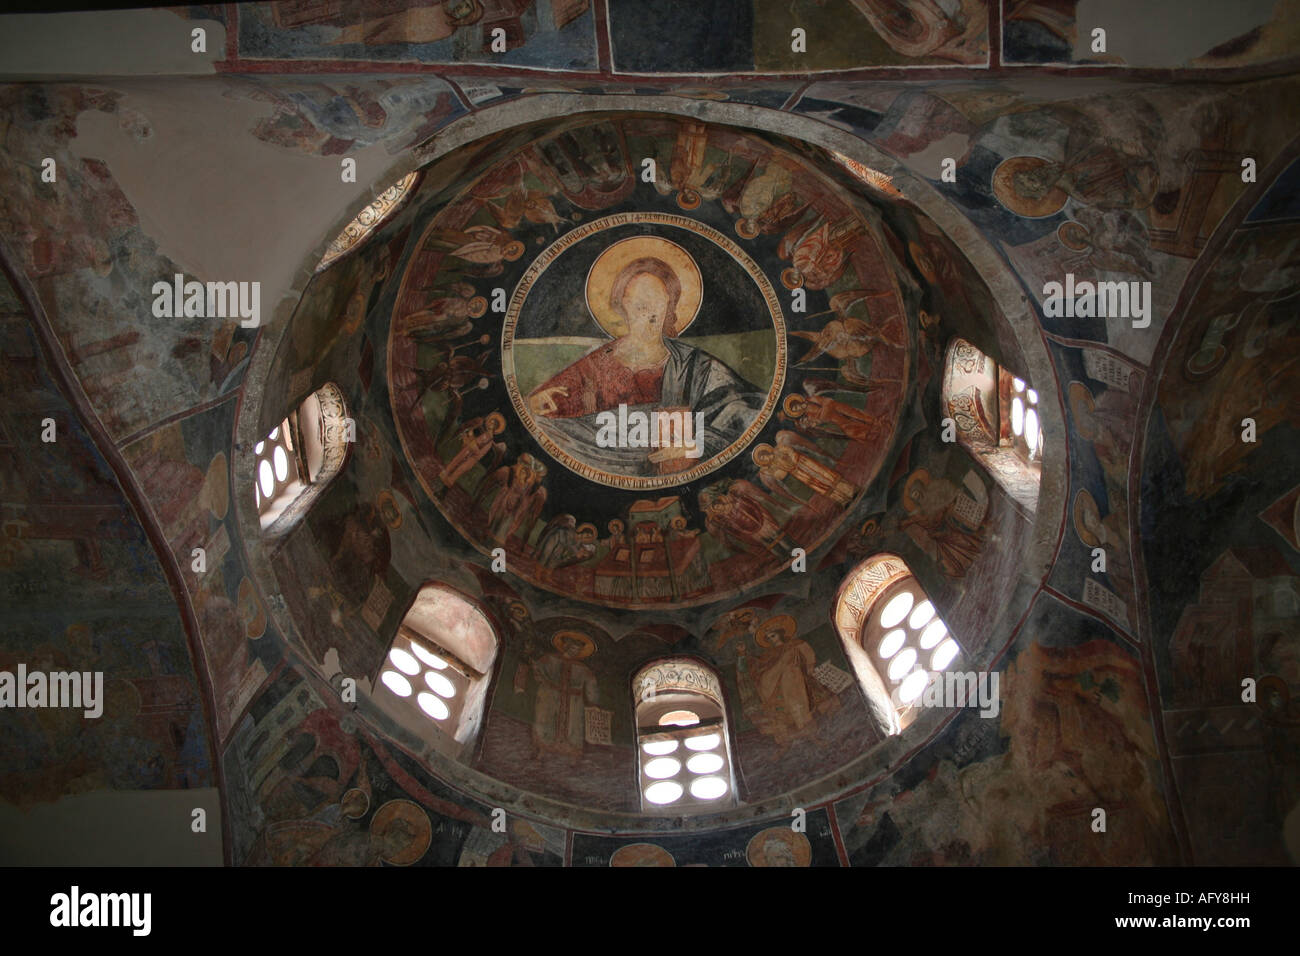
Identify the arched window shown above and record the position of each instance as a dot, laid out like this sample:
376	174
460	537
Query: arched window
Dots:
893	637
298	458
997	420
1021	413
438	668
684	751
369	219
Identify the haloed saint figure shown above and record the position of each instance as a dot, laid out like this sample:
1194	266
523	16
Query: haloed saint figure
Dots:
642	400
629	370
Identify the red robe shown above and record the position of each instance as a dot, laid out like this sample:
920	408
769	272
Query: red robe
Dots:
598	382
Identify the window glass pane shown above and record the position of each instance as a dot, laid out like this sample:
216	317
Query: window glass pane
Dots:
892	642
901	664
395	682
265	478
666	791
433	660
704	763
439	684
433	706
944	655
896	609
924	611
933	634
662	767
404	661
912	687
708	788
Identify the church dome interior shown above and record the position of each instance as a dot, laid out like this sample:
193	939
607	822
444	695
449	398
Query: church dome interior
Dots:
500	432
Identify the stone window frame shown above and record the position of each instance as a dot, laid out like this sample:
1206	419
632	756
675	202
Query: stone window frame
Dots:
981	411
864	596
421	659
678	684
314	437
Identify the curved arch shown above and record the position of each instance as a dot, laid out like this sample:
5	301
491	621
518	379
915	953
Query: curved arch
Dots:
370	218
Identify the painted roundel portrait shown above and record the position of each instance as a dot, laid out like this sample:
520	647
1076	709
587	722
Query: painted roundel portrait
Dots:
623	366
648	392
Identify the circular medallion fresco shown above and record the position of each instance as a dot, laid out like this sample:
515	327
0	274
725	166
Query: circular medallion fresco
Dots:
650	381
648	392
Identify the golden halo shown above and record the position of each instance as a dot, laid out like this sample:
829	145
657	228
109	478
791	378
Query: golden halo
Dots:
780	622
589	646
604	271
642	854
795	405
411	818
1004	188
355	803
1085	504
251	611
216	487
923	262
1082	405
800	848
386	505
922	477
1074	236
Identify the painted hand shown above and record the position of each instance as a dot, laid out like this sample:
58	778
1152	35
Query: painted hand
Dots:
543	402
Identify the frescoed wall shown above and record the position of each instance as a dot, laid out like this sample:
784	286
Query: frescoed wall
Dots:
1066	679
1219	465
1064	31
672	210
454	446
85	594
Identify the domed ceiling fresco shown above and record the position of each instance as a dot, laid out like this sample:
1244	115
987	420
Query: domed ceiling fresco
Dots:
542	289
512	420
649	336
